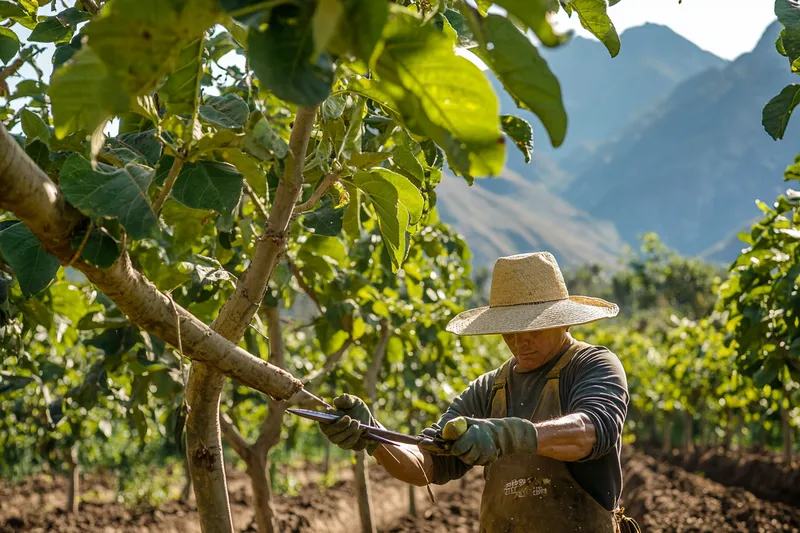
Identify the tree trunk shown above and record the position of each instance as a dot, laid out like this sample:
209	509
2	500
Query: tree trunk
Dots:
74	481
262	495
362	493
688	432
667	443
786	430
412	501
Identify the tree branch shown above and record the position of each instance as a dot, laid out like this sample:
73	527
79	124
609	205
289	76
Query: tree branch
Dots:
276	347
309	204
234	437
371	378
172	177
27	192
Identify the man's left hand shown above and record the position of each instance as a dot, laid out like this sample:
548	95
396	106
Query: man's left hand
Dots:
487	439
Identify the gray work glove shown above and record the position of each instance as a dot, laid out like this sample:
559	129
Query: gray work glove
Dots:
486	439
347	432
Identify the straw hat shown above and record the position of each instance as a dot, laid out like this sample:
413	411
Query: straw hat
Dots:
528	294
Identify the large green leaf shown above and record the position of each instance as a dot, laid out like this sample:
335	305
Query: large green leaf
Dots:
209	185
440	94
369	17
525	75
9	45
140	40
10	10
34	127
50	30
282	57
227	111
263	142
85	95
594	18
181	89
788	13
99	248
327	220
398	204
533	14
34	267
111	192
776	114
520	132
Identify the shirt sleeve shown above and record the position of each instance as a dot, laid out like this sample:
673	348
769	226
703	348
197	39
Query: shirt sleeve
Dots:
473	403
598	387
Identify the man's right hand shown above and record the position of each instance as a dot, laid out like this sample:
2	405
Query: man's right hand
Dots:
347	432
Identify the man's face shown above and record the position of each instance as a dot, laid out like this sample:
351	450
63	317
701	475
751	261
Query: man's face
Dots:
534	344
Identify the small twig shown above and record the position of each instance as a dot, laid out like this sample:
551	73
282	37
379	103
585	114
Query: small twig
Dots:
256	201
9	71
79	251
317	194
172	177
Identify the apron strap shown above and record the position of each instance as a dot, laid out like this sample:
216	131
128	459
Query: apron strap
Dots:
565	358
499	396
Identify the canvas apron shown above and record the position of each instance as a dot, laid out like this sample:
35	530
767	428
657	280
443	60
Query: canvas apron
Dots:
534	494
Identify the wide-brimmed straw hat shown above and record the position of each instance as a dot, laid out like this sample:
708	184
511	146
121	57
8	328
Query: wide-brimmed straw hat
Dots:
528	294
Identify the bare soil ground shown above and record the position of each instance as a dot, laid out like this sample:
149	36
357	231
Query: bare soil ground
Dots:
663	498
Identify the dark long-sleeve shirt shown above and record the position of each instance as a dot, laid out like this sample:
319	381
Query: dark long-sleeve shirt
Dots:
593	383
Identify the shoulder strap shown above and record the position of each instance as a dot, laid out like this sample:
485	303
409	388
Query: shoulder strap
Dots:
499	398
565	358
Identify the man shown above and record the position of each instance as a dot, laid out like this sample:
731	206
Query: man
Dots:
546	425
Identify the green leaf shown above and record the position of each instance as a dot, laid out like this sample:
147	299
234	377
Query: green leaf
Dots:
65	51
398	204
72	17
39	153
325	21
11	10
594	18
768	373
283	59
263	142
9	45
533	14
145	144
22	251
209	185
228	111
140	40
111	192
525	75
520	132
249	167
50	30
181	89
370	17
788	13
34	127
457	110
327	220
85	95
333	106
405	160
776	114
100	249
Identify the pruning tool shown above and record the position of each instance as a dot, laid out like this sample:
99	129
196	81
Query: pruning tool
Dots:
436	445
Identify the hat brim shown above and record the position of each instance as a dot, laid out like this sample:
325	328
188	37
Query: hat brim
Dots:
571	311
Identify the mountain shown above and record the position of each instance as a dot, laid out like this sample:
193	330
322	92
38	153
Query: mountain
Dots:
512	215
520	211
692	168
602	94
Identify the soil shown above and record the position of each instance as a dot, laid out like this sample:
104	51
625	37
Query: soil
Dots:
661	496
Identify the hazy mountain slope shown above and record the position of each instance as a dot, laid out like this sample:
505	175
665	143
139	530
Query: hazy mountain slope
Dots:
512	215
602	94
692	169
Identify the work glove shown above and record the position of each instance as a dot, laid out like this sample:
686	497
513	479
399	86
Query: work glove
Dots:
481	441
347	432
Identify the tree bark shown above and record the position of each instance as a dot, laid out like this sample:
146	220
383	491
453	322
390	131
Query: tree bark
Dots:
412	501
362	493
73	494
262	495
667	443
205	383
688	432
786	431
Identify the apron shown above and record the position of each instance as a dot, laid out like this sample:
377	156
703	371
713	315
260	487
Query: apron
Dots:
528	493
